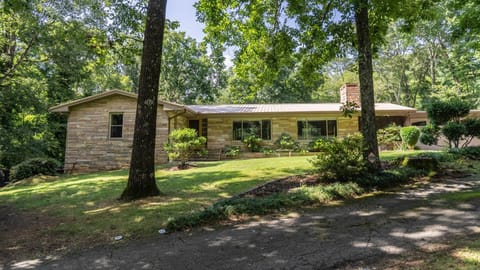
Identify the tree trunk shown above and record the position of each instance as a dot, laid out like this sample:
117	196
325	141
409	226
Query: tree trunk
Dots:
141	179
365	71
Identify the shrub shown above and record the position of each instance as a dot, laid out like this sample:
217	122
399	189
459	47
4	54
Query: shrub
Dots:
390	178
286	142
315	145
440	112
262	205
253	143
340	159
430	134
421	163
472	130
183	144
389	137
454	132
267	151
231	151
472	152
34	166
409	136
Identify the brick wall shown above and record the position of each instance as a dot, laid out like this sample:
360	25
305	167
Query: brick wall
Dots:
350	92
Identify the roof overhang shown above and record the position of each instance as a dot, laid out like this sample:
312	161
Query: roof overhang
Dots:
306	108
65	107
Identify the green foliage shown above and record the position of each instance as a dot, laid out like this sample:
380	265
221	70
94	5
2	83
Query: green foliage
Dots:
183	144
267	151
190	74
472	130
429	134
316	144
262	205
440	112
454	132
34	166
389	137
253	143
390	177
471	152
340	159
231	151
449	114
286	142
420	163
410	136
349	108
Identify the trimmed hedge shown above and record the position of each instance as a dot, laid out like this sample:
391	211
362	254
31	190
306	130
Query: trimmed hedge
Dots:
34	166
409	136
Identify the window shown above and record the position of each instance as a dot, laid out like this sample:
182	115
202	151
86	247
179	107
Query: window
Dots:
205	128
313	129
116	125
259	128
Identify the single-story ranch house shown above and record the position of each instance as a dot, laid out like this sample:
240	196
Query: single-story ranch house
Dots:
100	127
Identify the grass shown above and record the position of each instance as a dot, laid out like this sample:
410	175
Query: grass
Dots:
391	155
86	209
86	204
460	253
464	196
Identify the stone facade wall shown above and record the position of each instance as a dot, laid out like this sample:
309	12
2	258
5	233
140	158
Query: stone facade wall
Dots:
89	146
220	131
346	126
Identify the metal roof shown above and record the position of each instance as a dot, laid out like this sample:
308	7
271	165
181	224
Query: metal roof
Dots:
285	108
235	108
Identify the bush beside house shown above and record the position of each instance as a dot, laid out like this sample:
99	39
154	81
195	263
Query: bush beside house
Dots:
184	144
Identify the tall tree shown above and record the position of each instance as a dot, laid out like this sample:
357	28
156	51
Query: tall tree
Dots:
141	178
270	33
365	73
190	74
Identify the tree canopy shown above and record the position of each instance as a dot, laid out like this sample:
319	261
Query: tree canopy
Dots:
281	51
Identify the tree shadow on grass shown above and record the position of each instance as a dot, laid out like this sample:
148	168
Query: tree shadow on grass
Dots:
327	238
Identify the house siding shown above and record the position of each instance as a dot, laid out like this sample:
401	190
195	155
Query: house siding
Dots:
88	146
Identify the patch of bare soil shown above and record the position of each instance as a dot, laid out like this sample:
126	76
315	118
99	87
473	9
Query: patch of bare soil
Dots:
24	233
281	185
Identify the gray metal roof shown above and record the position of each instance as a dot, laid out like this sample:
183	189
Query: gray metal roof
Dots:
285	108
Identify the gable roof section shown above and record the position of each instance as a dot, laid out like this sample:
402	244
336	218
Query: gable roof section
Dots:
65	107
287	108
234	108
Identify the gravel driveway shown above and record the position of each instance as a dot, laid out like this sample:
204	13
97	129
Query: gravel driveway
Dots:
350	236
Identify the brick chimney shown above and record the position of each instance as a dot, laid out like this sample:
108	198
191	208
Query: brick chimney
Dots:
350	92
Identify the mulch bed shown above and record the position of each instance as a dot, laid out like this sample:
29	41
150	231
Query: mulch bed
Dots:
280	185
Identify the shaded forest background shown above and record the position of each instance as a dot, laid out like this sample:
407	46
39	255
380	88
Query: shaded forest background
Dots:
55	51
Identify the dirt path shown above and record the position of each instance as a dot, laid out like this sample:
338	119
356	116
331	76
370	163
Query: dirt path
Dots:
351	236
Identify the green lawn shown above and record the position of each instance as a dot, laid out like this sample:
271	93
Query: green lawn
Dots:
391	155
87	207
